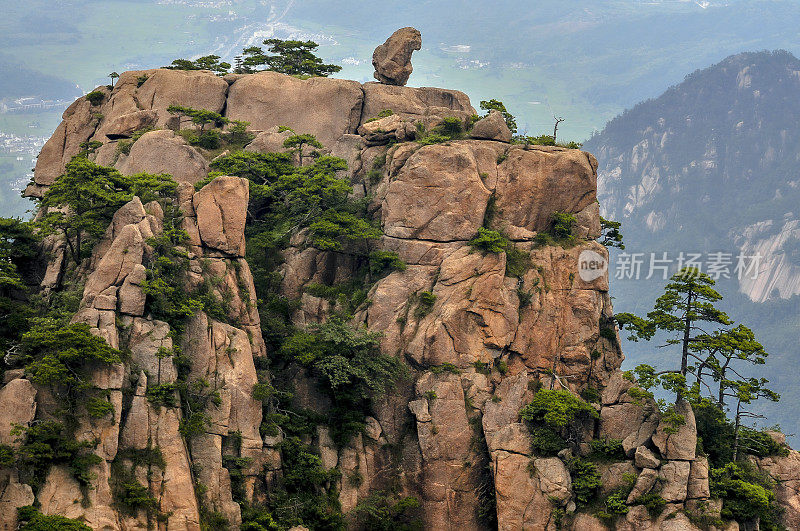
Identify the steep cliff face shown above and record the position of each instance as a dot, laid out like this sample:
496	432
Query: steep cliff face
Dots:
479	332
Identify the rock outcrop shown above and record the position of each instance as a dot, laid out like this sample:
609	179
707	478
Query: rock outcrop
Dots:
492	127
479	332
392	59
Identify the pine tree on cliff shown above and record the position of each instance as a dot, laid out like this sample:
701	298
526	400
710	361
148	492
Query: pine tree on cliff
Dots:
688	302
81	202
207	62
295	58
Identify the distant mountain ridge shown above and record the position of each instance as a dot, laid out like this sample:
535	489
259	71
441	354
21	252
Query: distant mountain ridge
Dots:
720	152
711	166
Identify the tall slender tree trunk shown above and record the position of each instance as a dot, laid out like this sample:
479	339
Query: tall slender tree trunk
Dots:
687	330
722	388
736	431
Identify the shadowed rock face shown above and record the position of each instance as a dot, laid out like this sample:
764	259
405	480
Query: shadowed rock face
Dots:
501	337
392	59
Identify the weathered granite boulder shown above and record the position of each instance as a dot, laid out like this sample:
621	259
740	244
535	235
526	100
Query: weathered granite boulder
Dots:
392	59
221	208
681	444
491	127
164	152
330	107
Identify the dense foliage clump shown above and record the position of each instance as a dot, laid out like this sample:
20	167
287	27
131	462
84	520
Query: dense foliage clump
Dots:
79	205
554	418
29	518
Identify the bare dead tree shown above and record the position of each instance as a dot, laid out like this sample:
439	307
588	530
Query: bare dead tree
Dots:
558	120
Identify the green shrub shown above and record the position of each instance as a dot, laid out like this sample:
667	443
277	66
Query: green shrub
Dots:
542	140
614	506
383	114
7	458
561	225
48	443
140	80
760	444
134	496
62	357
426	301
451	127
608	332
210	139
95	97
194	424
99	407
715	433
545	441
445	367
381	262
518	262
501	366
162	395
30	519
92	194
586	481
552	417
433	138
258	519
557	409
386	512
591	395
746	494
653	502
672	419
608	449
200	117
349	366
237	134
482	367
490	241
263	392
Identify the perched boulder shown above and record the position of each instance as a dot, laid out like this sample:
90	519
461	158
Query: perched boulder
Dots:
392	59
165	152
492	127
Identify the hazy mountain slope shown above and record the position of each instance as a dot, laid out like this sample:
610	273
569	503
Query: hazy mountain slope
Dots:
711	166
